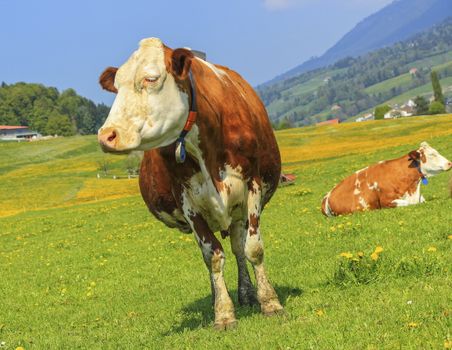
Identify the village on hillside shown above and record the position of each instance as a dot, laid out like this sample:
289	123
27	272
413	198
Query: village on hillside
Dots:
407	109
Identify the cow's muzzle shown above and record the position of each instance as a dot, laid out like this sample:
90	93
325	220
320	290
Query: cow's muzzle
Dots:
449	166
108	139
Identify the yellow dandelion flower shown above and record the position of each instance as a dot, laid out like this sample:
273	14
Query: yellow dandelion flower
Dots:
413	325
320	312
360	254
431	249
20	348
448	344
374	256
378	249
347	255
449	237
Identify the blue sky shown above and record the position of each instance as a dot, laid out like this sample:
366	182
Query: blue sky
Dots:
68	43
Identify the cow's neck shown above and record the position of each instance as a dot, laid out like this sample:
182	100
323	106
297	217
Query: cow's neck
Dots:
205	140
415	174
205	149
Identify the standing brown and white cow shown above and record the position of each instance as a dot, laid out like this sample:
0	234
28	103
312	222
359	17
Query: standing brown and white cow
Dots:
170	103
387	184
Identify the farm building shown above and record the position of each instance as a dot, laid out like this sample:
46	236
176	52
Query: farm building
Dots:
364	118
413	71
329	122
404	111
16	133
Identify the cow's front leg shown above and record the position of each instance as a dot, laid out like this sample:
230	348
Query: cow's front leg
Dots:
254	251
246	291
214	258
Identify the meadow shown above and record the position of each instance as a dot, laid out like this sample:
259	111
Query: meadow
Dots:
83	265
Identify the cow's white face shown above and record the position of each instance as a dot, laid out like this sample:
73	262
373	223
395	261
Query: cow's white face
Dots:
150	108
432	162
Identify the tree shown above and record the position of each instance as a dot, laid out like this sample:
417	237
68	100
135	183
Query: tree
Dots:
133	162
59	125
284	124
380	111
421	105
437	90
436	108
33	104
103	165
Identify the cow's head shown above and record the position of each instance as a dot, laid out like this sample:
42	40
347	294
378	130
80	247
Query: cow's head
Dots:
152	102
429	159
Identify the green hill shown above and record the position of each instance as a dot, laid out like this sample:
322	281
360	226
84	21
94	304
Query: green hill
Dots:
396	22
84	265
359	84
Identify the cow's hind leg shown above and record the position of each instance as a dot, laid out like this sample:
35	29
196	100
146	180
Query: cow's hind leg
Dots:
246	291
214	258
254	251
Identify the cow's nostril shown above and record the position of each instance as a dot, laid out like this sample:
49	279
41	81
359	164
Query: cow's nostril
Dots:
109	138
112	136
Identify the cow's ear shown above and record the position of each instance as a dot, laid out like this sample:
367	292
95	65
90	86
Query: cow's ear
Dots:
107	79
181	63
414	155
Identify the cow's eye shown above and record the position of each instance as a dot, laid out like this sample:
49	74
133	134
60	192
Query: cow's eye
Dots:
150	80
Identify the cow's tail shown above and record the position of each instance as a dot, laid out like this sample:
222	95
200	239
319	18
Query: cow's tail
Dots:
326	210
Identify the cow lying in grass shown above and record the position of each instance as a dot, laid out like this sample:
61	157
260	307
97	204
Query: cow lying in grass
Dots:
211	160
387	184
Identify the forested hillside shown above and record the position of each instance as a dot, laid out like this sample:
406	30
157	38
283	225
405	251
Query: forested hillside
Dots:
396	22
48	111
354	85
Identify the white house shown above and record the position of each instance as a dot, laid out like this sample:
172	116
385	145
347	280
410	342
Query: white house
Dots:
16	133
411	104
366	117
393	114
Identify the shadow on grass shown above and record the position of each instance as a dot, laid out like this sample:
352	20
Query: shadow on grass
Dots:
200	314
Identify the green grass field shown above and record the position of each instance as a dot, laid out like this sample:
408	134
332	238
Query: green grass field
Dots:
83	264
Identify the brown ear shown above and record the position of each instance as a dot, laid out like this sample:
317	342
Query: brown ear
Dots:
181	63
107	79
414	155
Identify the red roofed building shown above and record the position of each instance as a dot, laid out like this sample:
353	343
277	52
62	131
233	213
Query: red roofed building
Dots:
329	122
16	133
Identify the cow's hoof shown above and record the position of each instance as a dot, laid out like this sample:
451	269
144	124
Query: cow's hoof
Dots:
225	325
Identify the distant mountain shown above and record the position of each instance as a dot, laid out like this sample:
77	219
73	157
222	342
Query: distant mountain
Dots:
352	86
395	22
